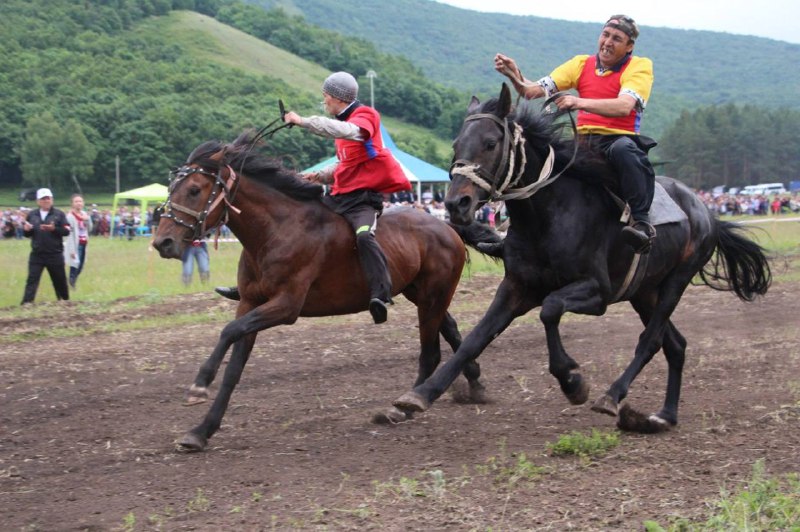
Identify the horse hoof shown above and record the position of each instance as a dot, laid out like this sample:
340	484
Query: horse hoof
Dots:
579	390
393	416
606	405
632	421
464	392
195	396
412	401
192	443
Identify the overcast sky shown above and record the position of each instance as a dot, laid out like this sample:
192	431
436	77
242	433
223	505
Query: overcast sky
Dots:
774	19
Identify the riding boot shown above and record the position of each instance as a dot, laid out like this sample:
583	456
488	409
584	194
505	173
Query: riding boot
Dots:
639	236
373	261
493	249
231	292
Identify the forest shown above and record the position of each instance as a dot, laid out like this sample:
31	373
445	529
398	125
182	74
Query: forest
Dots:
88	82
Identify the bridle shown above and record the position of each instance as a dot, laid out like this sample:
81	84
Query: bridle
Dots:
222	192
513	161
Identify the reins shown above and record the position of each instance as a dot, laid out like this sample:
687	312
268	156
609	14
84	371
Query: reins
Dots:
513	158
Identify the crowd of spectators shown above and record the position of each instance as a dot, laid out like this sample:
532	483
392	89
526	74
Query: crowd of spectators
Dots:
743	204
127	219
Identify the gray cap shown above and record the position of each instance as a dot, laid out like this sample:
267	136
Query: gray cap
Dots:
341	86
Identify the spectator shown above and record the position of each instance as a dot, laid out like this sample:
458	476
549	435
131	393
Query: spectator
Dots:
46	227
198	251
80	224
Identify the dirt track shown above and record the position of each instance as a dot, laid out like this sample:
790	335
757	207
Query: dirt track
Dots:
88	422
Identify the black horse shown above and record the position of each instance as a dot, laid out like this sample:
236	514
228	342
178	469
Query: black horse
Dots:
564	252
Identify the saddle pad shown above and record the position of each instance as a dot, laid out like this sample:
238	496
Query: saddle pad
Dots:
664	210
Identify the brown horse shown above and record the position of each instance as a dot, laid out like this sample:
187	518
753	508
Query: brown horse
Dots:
299	259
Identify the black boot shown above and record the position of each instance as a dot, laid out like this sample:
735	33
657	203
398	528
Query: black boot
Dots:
229	292
493	249
378	310
639	236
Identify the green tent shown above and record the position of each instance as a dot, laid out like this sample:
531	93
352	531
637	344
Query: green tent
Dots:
147	194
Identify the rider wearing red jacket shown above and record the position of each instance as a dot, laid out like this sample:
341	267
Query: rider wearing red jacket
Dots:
366	170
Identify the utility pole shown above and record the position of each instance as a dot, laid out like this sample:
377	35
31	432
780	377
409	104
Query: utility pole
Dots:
371	75
116	167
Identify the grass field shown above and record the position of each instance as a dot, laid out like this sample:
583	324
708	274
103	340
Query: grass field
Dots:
117	268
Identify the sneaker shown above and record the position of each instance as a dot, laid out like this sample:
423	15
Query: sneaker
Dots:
231	292
378	310
639	236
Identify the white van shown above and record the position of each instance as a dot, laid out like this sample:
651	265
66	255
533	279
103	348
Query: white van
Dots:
764	189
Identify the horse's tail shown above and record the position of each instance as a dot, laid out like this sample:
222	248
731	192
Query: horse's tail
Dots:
739	264
477	233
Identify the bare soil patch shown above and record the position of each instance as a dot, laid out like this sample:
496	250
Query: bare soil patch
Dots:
88	422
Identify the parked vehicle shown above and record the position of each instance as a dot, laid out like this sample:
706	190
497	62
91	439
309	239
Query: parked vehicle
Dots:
764	189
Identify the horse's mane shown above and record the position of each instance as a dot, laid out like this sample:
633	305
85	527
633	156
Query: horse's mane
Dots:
244	158
542	129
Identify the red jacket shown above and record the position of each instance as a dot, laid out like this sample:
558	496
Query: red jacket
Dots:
367	165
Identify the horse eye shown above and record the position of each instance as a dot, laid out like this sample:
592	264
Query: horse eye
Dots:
194	191
492	144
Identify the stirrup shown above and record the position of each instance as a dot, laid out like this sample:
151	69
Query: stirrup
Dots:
639	236
231	292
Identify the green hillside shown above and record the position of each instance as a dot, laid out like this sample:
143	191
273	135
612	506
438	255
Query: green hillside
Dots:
131	79
210	41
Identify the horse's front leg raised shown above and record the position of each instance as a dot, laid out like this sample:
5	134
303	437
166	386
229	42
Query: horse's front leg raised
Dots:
241	331
508	304
583	297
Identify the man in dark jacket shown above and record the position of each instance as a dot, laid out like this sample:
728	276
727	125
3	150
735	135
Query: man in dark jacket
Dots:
46	227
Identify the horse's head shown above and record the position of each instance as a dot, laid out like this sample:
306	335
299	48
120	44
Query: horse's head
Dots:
197	200
490	158
480	154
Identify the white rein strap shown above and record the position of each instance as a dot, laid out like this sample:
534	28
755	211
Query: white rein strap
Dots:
514	145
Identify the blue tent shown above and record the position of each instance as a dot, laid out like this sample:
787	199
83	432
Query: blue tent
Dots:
417	171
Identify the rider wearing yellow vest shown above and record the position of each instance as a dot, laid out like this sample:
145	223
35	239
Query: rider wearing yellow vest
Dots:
613	88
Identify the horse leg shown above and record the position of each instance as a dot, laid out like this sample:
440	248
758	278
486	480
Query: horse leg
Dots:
674	346
241	332
475	393
508	303
658	332
198	391
197	438
583	298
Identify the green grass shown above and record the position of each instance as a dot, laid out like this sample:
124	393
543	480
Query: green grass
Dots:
121	268
764	503
115	268
595	444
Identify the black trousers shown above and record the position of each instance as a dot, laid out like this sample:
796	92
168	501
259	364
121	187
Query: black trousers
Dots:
637	179
58	275
361	209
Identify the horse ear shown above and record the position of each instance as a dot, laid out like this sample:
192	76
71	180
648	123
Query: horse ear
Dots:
504	105
473	105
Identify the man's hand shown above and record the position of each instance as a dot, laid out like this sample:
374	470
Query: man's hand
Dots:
311	176
567	102
48	227
26	226
292	118
507	67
